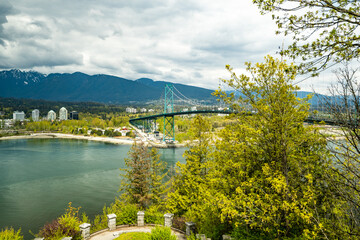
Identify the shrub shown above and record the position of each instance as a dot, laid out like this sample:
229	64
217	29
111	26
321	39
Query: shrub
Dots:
154	215
125	214
66	225
162	233
10	234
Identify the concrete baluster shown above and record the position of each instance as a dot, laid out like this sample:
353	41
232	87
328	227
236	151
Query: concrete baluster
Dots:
201	236
85	230
190	228
168	217
140	218
111	221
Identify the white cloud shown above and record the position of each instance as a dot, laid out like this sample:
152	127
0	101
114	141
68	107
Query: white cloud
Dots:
184	41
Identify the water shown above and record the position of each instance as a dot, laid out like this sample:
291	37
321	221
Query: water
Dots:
39	177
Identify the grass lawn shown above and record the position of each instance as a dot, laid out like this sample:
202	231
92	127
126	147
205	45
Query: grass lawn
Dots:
134	236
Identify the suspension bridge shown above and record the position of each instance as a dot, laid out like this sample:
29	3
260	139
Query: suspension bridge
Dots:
148	123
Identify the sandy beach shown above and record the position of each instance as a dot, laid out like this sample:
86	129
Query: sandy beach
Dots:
123	141
71	136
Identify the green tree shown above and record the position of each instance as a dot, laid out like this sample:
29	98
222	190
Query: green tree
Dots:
185	195
143	177
157	174
323	30
268	173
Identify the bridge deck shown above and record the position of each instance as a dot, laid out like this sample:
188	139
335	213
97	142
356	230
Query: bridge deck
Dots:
179	113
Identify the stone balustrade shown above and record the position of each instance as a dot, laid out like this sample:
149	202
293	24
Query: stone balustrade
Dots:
111	221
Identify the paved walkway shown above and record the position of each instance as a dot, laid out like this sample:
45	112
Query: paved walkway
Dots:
110	235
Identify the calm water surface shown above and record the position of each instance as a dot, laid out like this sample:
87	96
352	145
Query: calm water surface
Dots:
39	177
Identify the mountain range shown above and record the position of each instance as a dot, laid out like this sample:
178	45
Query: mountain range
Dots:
81	87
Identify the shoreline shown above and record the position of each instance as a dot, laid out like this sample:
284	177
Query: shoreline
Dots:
118	141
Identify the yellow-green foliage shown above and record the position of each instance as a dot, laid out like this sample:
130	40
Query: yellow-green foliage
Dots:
66	225
266	175
185	195
10	234
154	215
125	214
266	165
162	233
73	126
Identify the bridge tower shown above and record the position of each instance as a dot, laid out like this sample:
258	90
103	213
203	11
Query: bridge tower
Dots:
169	124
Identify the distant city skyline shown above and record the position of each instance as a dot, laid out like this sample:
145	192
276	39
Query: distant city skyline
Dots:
187	42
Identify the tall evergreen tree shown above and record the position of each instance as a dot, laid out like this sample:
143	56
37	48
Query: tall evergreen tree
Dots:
143	177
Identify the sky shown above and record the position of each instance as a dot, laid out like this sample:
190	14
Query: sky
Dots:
180	41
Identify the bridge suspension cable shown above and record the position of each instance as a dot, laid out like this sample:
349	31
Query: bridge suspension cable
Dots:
186	99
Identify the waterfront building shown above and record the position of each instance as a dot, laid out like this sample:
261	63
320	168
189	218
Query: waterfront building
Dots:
51	115
130	110
63	114
74	115
151	110
18	116
35	115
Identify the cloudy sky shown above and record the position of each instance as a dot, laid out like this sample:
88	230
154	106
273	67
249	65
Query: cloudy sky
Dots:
182	41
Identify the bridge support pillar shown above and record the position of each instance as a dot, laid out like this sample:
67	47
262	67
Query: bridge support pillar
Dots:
169	128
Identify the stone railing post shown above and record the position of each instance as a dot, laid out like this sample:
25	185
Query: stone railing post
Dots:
85	230
39	238
190	228
140	218
168	217
111	221
226	237
201	236
66	238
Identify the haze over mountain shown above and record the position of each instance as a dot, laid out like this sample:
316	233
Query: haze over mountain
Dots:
82	87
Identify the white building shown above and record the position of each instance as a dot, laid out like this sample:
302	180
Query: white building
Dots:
35	115
63	114
51	115
6	123
130	110
143	110
18	116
